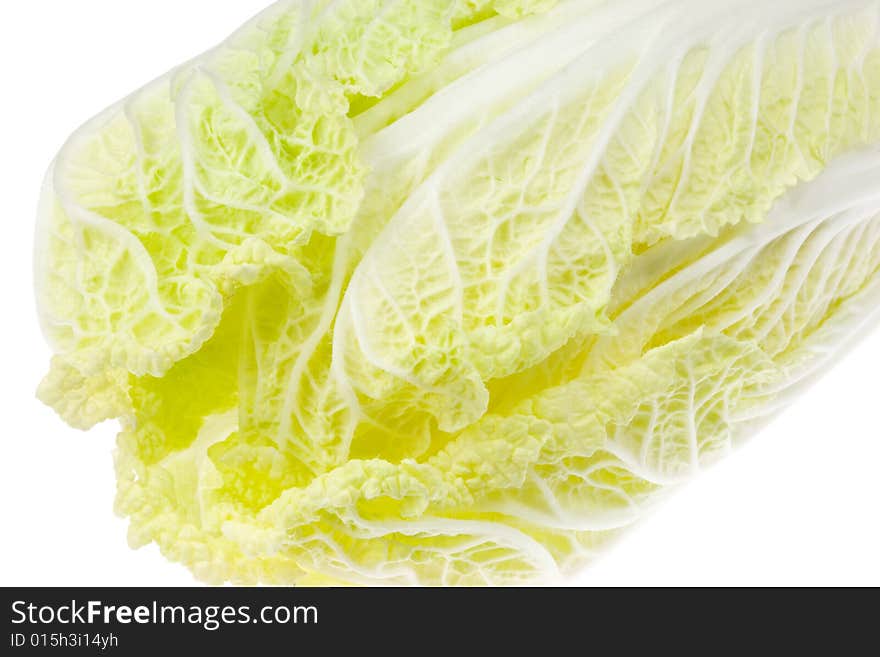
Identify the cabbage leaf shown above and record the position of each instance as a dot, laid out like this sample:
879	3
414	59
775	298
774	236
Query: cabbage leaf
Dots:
446	292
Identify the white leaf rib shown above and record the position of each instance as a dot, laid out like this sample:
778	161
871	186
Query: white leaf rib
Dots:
187	154
252	130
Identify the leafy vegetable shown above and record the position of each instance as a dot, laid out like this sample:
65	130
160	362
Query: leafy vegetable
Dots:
446	292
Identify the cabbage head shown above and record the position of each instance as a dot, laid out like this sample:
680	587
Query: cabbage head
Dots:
446	292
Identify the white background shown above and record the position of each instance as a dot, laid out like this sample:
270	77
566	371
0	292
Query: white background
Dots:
797	506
